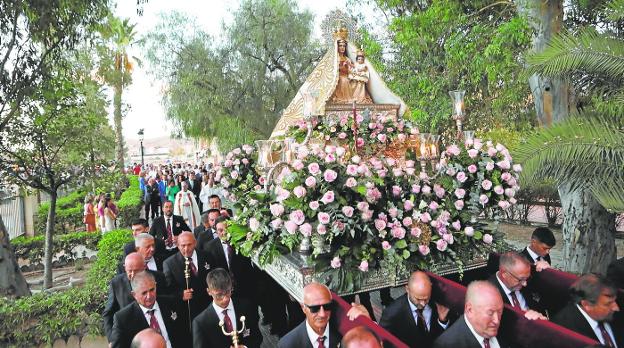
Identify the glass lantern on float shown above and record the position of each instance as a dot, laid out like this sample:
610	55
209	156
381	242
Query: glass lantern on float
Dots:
459	114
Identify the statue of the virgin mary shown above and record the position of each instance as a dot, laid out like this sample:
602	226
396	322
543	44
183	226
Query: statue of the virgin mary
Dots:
329	82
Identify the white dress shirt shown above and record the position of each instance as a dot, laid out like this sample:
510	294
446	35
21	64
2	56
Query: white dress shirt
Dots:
493	340
427	313
230	311
151	264
594	325
159	319
508	292
533	254
225	247
313	336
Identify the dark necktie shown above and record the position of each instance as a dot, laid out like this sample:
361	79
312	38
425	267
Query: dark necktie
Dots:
230	254
539	258
192	266
486	343
153	321
605	336
421	324
514	300
227	321
321	342
169	241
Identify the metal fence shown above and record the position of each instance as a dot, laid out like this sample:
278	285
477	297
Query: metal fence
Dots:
12	212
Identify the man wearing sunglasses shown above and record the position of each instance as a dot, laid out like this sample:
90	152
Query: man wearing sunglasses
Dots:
511	279
316	331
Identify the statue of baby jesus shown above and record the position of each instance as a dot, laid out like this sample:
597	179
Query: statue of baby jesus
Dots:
358	76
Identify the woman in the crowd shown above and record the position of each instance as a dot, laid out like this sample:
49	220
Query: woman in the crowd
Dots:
89	214
110	214
172	190
100	212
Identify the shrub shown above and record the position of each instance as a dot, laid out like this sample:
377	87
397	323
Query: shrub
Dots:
68	212
45	317
31	248
130	202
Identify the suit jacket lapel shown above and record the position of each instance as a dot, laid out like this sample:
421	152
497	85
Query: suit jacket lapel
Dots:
408	317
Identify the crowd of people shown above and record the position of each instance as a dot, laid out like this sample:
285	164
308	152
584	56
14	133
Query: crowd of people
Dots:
181	284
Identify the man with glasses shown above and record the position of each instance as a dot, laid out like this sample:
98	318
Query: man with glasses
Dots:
316	331
414	318
224	308
511	279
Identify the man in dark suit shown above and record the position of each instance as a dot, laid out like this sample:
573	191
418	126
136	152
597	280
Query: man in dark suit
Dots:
206	330
119	291
538	251
206	231
222	255
317	306
145	312
615	273
591	311
479	325
194	185
167	227
194	296
146	246
511	279
154	252
139	226
413	318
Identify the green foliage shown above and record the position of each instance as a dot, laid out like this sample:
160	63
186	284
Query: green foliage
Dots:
236	88
31	248
45	317
130	202
452	44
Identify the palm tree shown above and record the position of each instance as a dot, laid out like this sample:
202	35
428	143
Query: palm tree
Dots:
585	152
116	70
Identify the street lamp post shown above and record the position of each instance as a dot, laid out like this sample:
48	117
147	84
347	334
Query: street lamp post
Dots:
141	135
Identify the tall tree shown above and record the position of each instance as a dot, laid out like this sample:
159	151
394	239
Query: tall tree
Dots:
236	89
584	153
33	34
116	68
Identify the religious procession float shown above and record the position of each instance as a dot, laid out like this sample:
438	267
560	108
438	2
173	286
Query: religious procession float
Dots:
349	192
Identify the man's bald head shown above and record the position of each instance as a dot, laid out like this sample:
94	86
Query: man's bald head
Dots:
134	263
186	243
360	337
483	308
317	306
148	338
418	289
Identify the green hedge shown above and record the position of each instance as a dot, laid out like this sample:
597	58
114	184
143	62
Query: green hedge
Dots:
45	317
130	203
69	210
31	248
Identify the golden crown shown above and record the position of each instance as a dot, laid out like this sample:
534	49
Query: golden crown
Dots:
359	53
341	33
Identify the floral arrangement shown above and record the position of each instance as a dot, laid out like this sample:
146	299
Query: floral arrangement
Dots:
361	213
237	173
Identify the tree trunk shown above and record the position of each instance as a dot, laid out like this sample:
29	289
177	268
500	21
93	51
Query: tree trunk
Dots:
12	282
118	130
48	246
588	232
588	229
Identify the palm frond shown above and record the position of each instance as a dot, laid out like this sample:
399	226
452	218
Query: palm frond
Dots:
615	10
583	152
591	53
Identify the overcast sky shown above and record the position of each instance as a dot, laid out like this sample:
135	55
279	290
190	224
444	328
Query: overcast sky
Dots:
144	95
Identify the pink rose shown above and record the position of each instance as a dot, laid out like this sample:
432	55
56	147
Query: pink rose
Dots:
298	165
330	175
486	184
323	218
469	231
381	137
415	188
489	166
340	151
291	227
282	194
425	218
385	245
328	197
310	181
306	229
297	216
314	168
347	211
234	175
506	176
299	191
380	224
498	189
504	164
277	223
254	224
314	205
472	153
510	192
491	152
245	161
362	206
396	191
276	209
407	221
426	190
448	238
441	244
456	225
504	205
408	205
352	169
433	205
367	215
487	238
351	182
424	249
321	229
483	199
363	266
330	158
472	169
459	204
398	232
359	142
335	262
453	150
416	231
461	177
393	212
517	168
512	200
439	191
342	135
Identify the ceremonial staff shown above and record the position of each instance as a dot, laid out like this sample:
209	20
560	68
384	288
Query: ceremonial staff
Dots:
187	277
234	333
